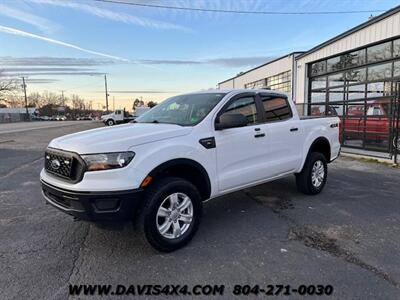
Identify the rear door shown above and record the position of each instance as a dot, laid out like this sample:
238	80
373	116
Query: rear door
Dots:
283	135
240	151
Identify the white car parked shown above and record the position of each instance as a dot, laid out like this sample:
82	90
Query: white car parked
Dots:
188	149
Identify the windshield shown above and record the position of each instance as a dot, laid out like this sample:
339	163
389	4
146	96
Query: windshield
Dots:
185	110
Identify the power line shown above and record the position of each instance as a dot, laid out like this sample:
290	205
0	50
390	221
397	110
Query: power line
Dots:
241	11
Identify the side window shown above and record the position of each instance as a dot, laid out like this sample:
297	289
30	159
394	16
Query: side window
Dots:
118	112
276	108
245	106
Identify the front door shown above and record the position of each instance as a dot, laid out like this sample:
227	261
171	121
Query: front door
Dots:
240	150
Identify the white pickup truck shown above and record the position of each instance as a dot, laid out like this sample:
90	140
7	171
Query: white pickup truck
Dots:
188	149
120	116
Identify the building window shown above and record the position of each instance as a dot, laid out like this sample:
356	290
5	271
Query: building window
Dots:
259	84
336	80
380	72
354	59
358	86
318	96
318	68
336	94
379	89
334	64
396	71
356	76
356	92
318	83
379	52
396	48
280	82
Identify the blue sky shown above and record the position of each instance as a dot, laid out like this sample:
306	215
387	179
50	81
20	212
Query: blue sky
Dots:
154	52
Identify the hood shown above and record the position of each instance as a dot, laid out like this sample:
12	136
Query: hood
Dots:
117	138
105	116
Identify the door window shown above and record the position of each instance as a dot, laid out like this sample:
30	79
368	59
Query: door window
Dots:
276	108
245	106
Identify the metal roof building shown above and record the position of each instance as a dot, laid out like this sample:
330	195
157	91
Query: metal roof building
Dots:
352	75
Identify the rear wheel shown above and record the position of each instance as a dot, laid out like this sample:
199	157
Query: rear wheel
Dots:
171	214
312	178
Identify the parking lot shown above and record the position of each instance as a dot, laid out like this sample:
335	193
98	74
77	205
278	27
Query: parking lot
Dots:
348	236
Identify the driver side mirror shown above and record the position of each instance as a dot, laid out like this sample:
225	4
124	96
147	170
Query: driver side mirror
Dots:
226	121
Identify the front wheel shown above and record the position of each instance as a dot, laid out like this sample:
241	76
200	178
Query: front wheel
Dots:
171	214
396	143
312	178
110	122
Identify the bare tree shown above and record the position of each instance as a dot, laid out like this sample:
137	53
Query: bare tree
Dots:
77	102
35	100
151	104
15	100
51	98
8	86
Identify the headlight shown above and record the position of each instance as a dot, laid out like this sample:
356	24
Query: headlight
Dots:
106	161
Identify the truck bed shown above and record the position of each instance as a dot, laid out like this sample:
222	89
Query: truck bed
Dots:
314	117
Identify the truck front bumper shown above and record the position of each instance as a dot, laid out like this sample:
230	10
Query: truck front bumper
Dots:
94	206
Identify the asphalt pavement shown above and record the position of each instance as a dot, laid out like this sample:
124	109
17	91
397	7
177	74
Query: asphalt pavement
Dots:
347	237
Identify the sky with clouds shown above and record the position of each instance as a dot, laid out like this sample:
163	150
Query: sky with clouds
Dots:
68	45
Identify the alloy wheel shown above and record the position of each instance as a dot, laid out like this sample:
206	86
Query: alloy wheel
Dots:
317	174
174	216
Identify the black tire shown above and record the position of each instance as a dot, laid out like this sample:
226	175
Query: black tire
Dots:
304	180
147	219
110	122
396	143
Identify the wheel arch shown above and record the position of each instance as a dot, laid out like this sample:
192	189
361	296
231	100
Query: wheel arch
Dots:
320	144
187	169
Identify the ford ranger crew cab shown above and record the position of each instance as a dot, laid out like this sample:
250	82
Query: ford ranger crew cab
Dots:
190	148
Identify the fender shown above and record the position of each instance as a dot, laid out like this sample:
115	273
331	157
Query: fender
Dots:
204	177
320	139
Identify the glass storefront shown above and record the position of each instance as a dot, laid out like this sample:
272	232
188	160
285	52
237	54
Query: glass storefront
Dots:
358	86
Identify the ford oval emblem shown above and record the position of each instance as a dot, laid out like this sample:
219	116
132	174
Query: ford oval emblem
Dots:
55	164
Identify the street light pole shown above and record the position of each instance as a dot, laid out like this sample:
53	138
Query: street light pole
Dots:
26	99
105	85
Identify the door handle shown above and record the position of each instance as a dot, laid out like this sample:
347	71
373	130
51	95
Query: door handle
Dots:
259	135
294	129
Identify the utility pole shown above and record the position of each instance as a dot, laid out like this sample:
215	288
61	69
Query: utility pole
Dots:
26	99
62	97
105	85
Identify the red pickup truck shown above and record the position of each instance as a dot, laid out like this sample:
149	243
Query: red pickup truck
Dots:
377	123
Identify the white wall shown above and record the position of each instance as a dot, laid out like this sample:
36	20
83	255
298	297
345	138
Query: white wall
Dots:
226	85
384	29
282	65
